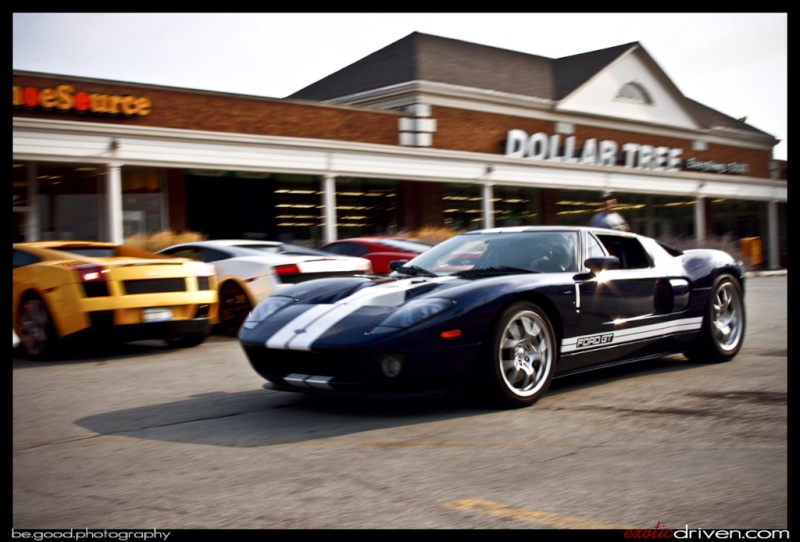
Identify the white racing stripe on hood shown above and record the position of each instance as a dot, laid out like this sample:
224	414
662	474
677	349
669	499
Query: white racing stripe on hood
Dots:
306	328
389	294
301	332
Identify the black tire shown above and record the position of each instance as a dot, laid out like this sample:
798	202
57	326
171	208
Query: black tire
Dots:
521	358
722	333
234	306
37	333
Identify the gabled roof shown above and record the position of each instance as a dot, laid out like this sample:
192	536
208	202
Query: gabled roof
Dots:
423	57
570	72
715	119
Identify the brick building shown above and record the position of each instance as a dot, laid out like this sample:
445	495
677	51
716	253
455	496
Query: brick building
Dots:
427	131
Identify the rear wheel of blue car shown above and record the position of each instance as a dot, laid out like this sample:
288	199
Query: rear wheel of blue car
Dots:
521	358
722	333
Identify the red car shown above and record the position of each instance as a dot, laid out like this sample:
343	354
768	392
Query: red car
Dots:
380	250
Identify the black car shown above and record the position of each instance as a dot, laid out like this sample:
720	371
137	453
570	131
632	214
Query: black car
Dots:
500	313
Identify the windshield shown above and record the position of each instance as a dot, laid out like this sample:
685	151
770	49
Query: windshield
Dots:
512	252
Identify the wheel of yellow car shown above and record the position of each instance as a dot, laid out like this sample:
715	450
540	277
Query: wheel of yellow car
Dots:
234	306
37	333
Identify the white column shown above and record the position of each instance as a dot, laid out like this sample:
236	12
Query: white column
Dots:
774	235
114	204
329	207
488	206
700	218
33	230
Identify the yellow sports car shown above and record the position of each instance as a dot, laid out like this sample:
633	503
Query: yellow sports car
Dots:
67	291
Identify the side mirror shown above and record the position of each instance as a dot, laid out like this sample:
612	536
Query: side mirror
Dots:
394	264
601	263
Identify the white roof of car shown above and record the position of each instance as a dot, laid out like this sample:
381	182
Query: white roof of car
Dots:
236	242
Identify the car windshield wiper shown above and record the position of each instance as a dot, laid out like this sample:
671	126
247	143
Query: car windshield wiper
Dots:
415	270
496	270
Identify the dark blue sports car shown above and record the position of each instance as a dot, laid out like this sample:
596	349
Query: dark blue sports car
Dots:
500	312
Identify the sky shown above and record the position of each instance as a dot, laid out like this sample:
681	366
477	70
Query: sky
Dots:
736	63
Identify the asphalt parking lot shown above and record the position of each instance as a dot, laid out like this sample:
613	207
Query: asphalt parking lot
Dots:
144	437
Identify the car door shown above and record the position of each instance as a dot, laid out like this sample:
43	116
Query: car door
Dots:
613	303
621	294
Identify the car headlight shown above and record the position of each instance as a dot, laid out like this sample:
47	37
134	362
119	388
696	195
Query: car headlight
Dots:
412	313
267	308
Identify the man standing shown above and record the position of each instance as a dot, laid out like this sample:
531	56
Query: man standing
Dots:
607	217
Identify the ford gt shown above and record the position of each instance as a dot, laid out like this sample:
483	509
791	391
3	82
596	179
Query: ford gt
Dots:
500	313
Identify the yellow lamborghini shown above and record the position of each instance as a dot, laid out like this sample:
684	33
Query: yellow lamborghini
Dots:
71	291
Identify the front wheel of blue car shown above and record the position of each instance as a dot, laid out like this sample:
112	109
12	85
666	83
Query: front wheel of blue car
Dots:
521	357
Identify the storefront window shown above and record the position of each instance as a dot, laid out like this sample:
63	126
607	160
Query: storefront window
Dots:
19	195
363	207
71	201
655	216
738	218
287	207
576	207
463	207
228	205
516	206
366	207
142	202
68	205
298	209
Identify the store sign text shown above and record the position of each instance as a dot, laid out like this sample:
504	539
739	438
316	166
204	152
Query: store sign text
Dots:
606	152
717	167
540	146
65	98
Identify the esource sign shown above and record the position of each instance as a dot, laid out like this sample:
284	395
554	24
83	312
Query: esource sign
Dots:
66	98
607	152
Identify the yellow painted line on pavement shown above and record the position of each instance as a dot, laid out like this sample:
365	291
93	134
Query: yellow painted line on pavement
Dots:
550	519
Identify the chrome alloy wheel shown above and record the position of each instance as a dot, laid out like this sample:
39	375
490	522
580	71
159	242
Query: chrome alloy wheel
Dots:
526	353
727	317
